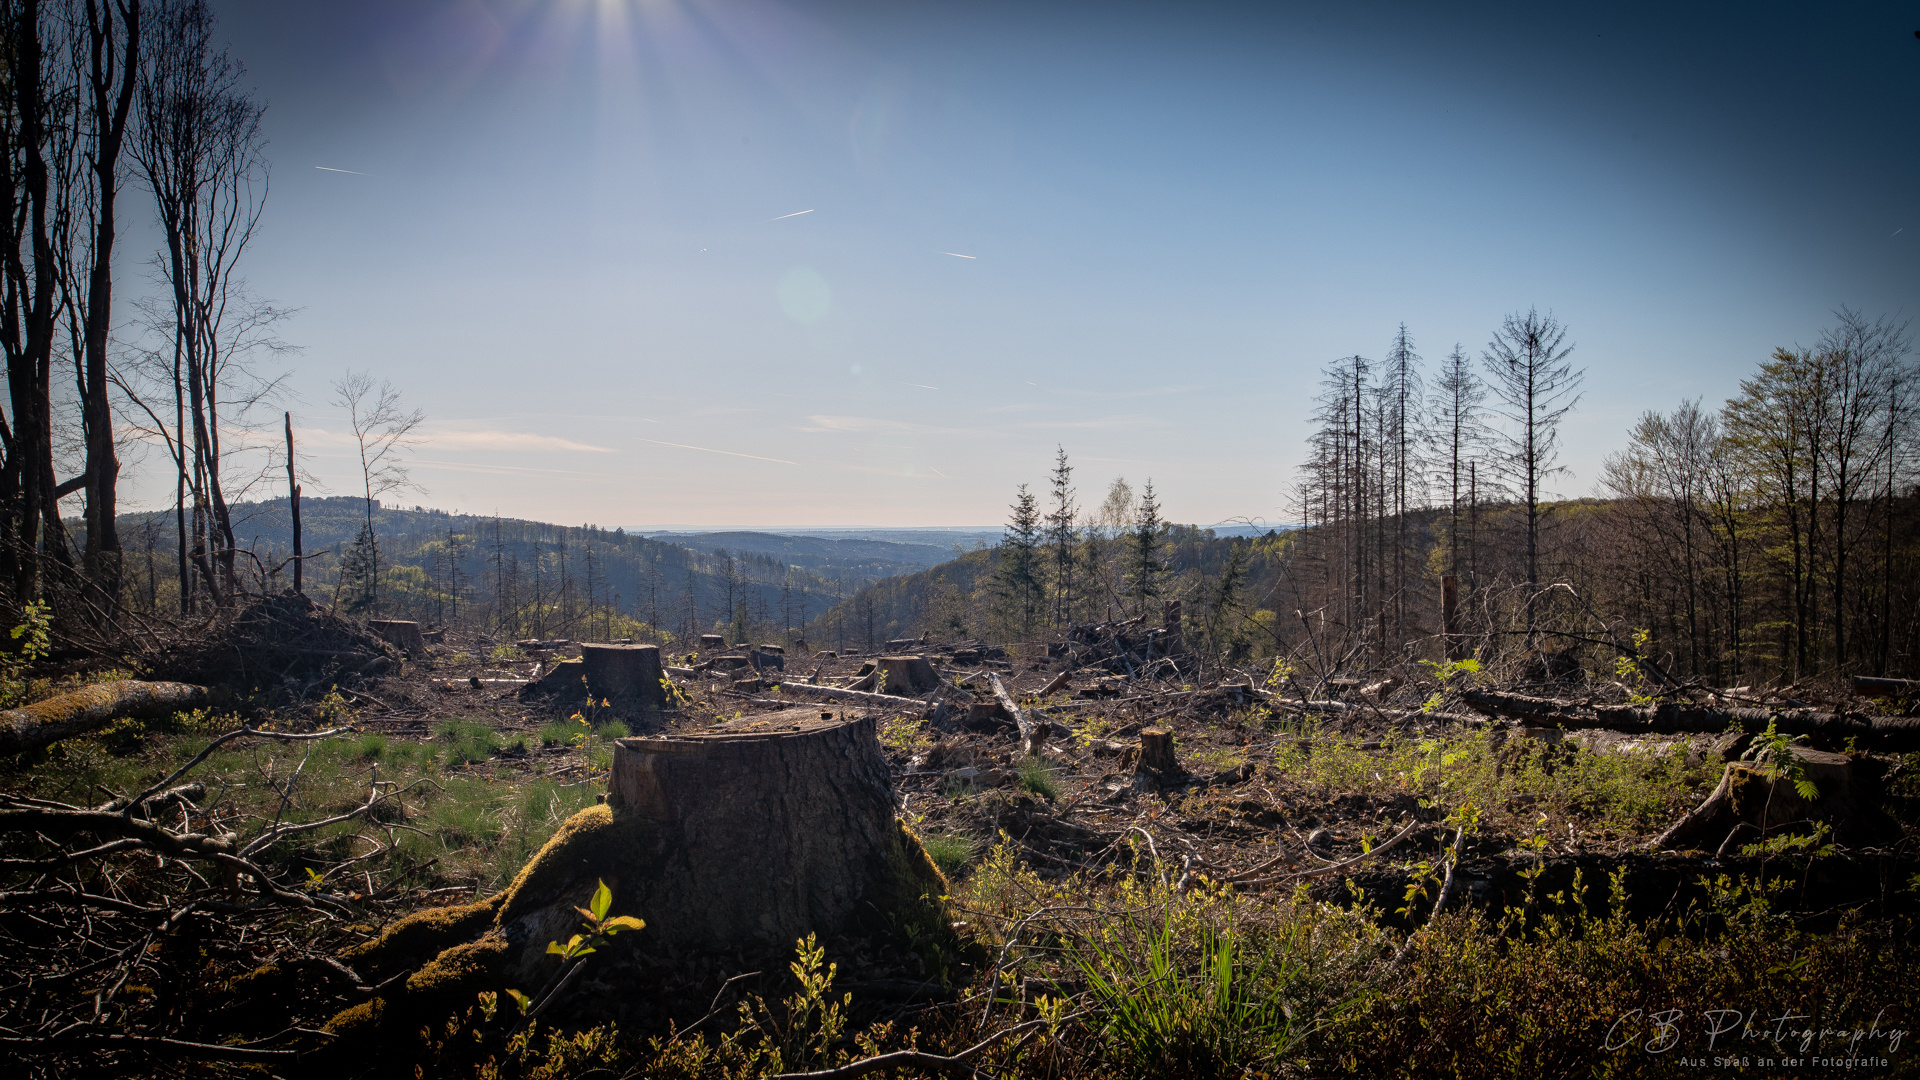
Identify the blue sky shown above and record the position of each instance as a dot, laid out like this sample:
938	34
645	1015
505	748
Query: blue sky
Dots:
566	235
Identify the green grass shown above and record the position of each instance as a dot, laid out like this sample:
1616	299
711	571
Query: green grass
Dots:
612	729
599	756
466	827
464	742
1035	778
560	733
1511	784
949	851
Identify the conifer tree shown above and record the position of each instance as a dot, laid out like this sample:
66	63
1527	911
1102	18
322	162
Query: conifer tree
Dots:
1019	571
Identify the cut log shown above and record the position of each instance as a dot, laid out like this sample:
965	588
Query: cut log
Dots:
1878	733
1867	686
90	708
1056	683
402	634
831	693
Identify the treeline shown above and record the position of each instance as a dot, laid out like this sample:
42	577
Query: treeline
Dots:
1777	537
510	577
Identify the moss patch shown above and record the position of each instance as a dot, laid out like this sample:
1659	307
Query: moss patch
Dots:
594	844
457	974
421	936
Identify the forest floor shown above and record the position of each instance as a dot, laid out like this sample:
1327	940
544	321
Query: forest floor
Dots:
1345	819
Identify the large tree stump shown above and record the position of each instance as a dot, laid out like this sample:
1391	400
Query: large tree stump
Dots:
402	634
741	839
627	676
907	676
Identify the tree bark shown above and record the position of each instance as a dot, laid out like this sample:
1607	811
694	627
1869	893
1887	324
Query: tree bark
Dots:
293	496
111	109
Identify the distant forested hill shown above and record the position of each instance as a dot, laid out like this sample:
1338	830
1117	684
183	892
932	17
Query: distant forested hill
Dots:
523	577
840	558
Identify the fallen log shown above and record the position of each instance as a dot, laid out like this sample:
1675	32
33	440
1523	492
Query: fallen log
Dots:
886	701
66	715
1878	733
1868	686
1032	735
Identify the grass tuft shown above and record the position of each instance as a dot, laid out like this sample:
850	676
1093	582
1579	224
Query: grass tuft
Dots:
466	741
1035	778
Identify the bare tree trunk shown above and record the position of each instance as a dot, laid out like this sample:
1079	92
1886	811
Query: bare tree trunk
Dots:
110	113
293	503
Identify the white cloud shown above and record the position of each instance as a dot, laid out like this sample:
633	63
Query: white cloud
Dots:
308	438
507	440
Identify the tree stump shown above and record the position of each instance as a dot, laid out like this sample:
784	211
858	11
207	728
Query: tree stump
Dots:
741	839
1156	766
626	676
907	676
1751	804
712	641
402	634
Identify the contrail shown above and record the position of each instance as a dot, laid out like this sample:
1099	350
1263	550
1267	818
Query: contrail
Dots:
710	450
784	217
957	255
923	386
323	168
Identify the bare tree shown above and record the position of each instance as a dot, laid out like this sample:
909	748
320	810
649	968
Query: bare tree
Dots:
1536	387
201	153
383	431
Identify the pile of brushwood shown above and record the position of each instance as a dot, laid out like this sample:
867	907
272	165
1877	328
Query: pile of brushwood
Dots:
285	643
1156	865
